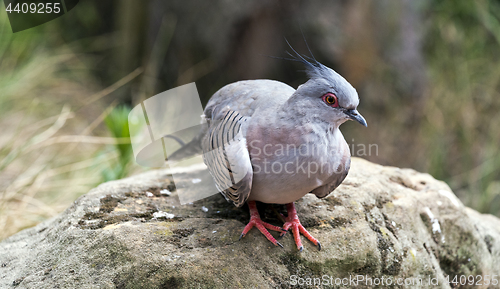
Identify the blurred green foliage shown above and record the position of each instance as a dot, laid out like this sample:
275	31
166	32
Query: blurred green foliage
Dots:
54	144
462	134
117	124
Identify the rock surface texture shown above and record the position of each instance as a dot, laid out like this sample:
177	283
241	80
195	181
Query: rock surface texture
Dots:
382	222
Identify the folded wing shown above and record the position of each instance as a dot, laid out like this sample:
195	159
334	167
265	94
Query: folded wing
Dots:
226	155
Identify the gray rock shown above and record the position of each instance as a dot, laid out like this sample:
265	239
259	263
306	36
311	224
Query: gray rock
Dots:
382	222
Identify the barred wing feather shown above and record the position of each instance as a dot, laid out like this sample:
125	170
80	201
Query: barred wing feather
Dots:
226	155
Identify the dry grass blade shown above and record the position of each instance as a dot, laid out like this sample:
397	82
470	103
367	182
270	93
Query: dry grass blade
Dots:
58	124
115	86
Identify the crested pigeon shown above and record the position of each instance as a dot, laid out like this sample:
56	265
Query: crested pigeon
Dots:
264	141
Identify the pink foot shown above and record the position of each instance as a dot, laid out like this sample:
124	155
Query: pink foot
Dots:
261	225
292	220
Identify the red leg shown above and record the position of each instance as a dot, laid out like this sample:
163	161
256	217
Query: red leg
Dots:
292	220
257	222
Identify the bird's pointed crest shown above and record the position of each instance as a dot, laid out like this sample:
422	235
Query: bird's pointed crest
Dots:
313	68
317	71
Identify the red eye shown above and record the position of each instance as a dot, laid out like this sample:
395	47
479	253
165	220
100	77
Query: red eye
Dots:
331	99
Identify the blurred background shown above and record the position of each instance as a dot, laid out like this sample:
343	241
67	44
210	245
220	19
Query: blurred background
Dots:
427	72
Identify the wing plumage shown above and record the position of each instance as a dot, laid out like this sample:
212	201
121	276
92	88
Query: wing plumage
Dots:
226	155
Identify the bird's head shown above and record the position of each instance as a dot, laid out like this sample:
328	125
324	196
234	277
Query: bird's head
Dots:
327	94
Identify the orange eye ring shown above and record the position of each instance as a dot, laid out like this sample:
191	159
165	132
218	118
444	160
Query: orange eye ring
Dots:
331	99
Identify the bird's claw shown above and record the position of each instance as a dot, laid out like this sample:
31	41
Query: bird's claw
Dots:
292	221
263	227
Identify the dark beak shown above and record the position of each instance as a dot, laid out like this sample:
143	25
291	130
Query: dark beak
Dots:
354	115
